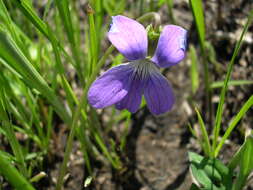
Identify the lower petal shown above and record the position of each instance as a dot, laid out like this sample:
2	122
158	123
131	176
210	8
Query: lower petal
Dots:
132	100
111	87
158	94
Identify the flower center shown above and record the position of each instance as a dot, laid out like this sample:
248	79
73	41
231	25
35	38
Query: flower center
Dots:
143	68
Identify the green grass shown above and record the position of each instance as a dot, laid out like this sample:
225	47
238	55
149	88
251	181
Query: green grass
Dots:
47	57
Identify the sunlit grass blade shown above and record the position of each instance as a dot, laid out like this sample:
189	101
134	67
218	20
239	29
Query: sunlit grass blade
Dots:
206	141
170	4
71	99
194	70
114	7
13	89
99	16
193	132
60	69
93	38
245	164
219	112
233	123
28	11
10	134
5	83
219	84
198	12
109	6
14	30
97	134
236	159
82	105
123	139
12	55
63	8
12	175
47	7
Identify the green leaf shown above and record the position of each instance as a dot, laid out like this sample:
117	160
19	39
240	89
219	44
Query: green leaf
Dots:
210	173
220	108
246	164
194	70
93	39
12	55
233	123
206	141
26	8
64	10
244	159
198	14
12	175
194	187
29	12
114	8
220	84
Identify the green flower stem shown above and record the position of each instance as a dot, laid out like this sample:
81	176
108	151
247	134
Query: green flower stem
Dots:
82	105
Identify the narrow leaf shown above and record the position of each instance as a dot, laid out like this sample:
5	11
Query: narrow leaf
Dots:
198	13
220	84
194	70
219	112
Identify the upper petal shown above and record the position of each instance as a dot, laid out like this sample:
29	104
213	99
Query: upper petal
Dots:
111	87
171	46
129	37
132	100
158	94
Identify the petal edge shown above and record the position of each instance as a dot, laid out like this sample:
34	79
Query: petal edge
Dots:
110	87
171	48
132	100
158	94
129	37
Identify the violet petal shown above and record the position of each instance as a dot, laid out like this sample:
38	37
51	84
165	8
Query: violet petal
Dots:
171	46
111	87
158	94
132	100
129	37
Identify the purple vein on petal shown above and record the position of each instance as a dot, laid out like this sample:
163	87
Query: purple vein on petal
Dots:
158	94
132	100
111	87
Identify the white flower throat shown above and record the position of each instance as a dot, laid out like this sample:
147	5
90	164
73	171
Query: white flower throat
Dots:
143	68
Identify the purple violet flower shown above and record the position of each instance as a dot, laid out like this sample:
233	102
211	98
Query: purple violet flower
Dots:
125	84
